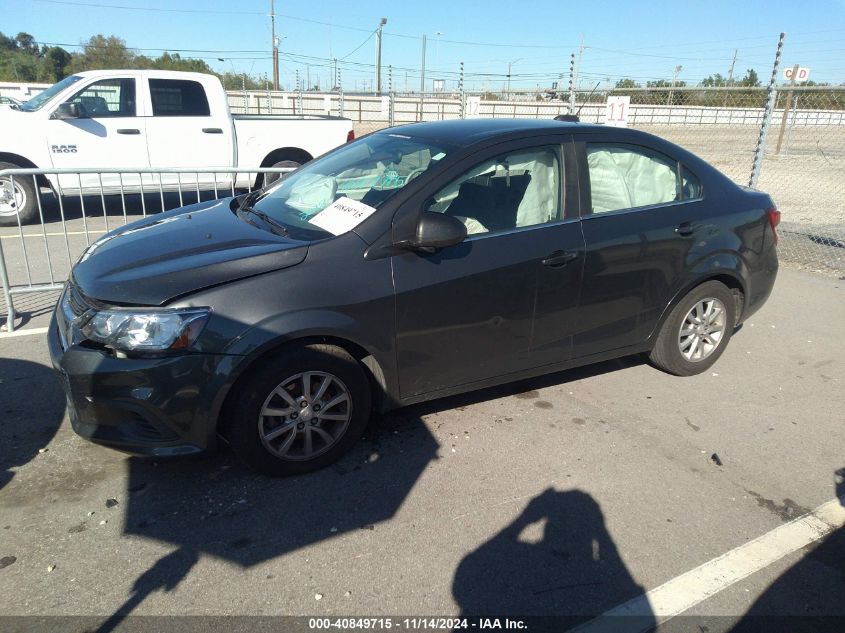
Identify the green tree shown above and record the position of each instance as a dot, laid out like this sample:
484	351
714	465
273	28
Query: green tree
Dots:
714	81
54	67
101	53
626	84
750	80
26	43
665	83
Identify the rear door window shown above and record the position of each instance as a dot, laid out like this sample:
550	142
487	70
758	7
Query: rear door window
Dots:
178	97
628	177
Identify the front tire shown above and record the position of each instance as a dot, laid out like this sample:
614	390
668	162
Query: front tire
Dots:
18	202
697	331
301	411
271	177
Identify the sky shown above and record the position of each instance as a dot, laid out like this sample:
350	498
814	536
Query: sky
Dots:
534	38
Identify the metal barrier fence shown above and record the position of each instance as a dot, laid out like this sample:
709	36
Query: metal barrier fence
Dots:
802	164
82	204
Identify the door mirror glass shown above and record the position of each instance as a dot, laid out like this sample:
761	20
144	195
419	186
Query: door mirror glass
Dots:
67	111
436	230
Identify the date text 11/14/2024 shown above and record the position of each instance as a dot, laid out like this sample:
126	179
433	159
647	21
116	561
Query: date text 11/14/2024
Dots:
418	623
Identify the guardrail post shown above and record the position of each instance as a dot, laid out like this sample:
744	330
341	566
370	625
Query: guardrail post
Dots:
7	294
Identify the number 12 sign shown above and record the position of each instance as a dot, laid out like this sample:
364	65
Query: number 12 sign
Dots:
616	111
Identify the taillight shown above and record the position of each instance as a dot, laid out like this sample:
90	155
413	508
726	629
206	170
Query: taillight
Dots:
350	136
774	219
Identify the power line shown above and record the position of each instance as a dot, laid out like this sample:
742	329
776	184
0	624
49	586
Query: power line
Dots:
357	48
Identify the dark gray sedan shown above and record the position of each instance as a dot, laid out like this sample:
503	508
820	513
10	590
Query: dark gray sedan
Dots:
411	264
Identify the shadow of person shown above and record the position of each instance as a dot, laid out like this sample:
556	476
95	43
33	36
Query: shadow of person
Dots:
165	574
809	595
555	565
31	409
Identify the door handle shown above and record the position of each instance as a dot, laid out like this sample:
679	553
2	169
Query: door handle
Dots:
559	259
685	229
128	130
212	130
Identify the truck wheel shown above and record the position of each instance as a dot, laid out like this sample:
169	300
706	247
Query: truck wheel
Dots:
271	178
299	411
18	203
697	331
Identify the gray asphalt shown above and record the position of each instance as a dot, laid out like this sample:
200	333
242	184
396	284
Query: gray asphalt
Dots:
563	495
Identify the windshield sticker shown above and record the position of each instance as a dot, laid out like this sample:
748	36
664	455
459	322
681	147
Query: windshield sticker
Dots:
342	215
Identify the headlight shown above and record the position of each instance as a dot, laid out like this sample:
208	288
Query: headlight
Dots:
148	330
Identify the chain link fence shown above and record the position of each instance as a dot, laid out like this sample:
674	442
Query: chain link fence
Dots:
803	162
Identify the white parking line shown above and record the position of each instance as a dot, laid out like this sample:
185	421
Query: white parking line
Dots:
687	590
16	333
90	231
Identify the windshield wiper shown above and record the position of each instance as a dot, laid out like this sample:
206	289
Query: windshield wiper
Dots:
246	207
281	229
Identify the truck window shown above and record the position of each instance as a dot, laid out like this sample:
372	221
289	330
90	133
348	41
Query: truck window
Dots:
178	97
106	98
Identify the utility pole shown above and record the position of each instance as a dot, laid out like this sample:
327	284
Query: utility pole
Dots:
731	71
578	66
730	76
786	107
675	74
275	45
508	90
378	55
422	78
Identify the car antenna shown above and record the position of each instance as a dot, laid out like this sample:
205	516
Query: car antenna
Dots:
575	118
588	98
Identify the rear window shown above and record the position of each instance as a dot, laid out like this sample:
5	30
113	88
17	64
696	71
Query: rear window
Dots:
178	97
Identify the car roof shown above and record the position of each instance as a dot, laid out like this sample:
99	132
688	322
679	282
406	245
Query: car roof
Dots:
134	72
469	131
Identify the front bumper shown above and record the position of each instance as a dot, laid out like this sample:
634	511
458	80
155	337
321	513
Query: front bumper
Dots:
144	406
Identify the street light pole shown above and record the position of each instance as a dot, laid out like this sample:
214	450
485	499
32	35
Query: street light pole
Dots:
378	55
508	91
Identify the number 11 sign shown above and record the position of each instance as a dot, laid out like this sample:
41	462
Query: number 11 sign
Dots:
616	111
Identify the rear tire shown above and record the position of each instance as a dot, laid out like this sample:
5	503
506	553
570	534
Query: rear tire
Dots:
23	203
288	421
697	331
269	179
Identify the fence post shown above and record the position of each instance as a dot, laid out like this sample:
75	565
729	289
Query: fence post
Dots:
572	84
767	118
7	294
786	108
340	94
391	110
463	94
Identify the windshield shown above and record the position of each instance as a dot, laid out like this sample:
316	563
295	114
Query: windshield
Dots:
38	101
334	194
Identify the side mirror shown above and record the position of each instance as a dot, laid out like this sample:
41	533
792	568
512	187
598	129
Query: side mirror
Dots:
67	111
436	230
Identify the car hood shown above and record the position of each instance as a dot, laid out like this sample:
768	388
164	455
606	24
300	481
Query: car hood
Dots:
169	255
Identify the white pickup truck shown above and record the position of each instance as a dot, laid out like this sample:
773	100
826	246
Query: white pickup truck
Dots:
131	119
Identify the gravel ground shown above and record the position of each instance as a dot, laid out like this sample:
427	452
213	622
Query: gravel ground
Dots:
562	495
